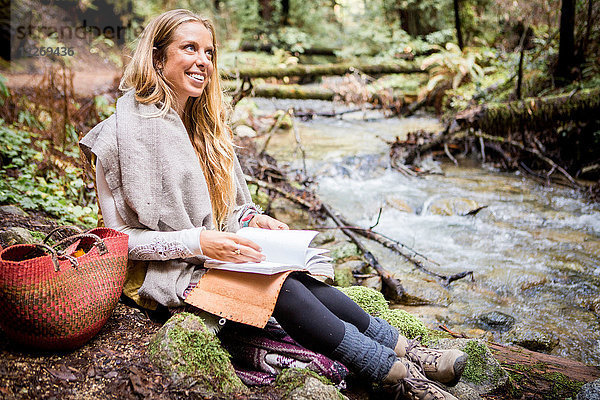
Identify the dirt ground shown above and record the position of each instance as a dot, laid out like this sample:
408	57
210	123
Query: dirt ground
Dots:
112	365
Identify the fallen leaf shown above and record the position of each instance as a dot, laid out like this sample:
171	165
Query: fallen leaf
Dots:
63	374
111	374
138	386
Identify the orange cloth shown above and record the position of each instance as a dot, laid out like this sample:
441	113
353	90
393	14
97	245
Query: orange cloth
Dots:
238	296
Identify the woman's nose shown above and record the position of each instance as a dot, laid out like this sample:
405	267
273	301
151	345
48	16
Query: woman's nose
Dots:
202	60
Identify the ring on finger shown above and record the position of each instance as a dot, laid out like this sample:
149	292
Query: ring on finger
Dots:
237	251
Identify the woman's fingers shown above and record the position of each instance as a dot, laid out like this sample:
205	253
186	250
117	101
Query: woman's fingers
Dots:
248	254
247	242
266	222
229	247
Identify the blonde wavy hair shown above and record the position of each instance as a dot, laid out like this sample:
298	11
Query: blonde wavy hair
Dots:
204	117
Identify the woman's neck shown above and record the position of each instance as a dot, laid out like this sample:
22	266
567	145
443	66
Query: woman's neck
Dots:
180	106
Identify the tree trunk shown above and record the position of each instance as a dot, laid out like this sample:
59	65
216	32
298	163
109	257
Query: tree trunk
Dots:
588	29
566	49
287	92
457	24
400	67
305	93
532	114
265	10
268	48
285	12
543	376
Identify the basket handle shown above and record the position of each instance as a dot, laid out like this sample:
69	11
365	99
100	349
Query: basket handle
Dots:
55	256
98	243
61	228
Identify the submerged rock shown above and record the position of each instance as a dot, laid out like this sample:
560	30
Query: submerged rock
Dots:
399	204
590	391
193	357
453	206
425	291
533	339
496	321
482	372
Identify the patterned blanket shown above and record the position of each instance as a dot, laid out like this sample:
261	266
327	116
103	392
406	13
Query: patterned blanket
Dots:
258	355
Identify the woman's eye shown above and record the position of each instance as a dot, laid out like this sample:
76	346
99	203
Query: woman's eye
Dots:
210	53
189	46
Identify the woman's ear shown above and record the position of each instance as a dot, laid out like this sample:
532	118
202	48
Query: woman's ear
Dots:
158	64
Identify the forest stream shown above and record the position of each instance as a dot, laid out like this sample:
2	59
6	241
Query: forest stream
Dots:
534	250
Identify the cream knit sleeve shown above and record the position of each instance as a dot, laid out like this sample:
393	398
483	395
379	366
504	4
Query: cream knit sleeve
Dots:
146	244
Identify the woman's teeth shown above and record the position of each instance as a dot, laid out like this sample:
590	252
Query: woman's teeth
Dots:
198	77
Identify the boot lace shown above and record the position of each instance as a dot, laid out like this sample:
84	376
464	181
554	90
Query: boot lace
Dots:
415	386
421	355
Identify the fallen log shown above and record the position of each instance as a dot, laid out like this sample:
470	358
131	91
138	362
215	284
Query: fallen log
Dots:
543	376
398	67
287	91
533	114
270	48
305	93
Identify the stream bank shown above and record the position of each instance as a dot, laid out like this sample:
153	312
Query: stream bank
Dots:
534	250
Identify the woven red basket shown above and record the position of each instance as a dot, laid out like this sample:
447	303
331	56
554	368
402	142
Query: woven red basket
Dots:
51	299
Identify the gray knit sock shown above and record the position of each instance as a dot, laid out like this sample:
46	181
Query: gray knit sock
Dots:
382	332
364	355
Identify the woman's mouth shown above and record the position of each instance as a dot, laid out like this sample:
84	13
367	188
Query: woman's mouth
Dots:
195	76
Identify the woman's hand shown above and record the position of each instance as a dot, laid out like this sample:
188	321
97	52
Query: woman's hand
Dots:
225	246
266	222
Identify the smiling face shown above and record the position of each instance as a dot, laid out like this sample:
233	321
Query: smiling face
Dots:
189	61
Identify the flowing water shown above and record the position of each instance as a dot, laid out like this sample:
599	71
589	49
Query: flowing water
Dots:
534	250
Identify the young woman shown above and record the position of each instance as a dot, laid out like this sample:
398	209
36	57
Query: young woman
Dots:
167	175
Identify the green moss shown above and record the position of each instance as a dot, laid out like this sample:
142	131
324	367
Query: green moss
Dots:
259	197
477	368
562	385
344	251
344	277
193	352
368	299
292	378
375	304
409	325
39	236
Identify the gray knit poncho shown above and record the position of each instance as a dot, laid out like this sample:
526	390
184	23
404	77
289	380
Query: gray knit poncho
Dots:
158	184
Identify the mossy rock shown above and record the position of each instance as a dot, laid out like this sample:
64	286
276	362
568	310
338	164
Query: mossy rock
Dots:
375	304
344	276
300	384
344	251
193	357
482	372
15	235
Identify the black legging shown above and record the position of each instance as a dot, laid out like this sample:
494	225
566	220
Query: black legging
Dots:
311	312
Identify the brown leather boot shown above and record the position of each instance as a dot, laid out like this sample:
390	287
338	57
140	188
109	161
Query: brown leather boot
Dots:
445	366
406	380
